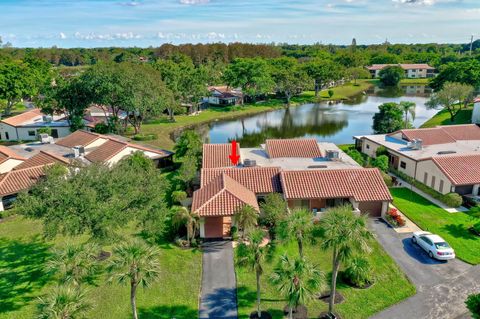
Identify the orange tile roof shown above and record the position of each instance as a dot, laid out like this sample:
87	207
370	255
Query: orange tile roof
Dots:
7	152
360	184
404	66
106	151
460	169
442	134
40	159
77	138
306	148
464	132
223	196
17	180
23	117
216	155
257	179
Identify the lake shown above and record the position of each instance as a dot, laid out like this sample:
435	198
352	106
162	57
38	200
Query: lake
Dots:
335	123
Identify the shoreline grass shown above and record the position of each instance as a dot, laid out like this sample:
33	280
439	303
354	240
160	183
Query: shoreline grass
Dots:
464	116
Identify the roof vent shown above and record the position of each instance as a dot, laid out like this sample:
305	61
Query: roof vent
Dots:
47	118
332	155
446	152
78	151
249	163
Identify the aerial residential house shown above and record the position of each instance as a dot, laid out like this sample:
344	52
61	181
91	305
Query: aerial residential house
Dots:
445	158
223	96
411	70
9	159
308	174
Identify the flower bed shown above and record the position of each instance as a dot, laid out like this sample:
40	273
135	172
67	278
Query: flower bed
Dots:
394	218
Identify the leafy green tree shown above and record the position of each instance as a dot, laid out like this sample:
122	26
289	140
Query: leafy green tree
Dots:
63	302
344	233
381	162
408	108
188	171
356	156
274	209
297	226
466	72
322	72
356	73
391	75
452	97
388	119
189	143
184	217
250	74
297	280
136	264
75	264
473	304
246	218
290	79
252	254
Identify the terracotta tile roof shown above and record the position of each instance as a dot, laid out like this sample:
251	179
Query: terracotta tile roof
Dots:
361	184
465	132
106	151
405	66
23	117
257	179
460	169
216	155
442	134
17	180
40	159
79	137
223	196
306	148
6	152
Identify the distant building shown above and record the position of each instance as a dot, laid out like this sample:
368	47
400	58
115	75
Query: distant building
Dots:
412	71
476	111
223	96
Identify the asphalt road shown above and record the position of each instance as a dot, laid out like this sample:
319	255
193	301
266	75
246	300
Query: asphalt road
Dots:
219	294
442	287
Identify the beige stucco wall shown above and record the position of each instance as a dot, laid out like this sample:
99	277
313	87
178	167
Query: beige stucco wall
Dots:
369	147
9	164
12	133
409	165
429	167
202	227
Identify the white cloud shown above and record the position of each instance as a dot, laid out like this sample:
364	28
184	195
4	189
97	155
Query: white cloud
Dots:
62	35
130	3
418	2
193	2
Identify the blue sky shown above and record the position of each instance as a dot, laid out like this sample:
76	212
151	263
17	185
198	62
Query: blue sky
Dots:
95	23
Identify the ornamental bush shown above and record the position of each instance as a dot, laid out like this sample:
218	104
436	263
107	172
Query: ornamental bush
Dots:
359	272
473	304
452	199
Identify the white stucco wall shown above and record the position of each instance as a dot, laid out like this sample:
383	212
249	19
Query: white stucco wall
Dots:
202	227
369	148
12	133
429	167
476	113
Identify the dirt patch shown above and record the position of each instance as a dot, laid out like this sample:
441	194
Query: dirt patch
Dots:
325	297
265	315
300	312
325	315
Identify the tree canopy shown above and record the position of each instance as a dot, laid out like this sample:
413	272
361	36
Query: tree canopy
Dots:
389	118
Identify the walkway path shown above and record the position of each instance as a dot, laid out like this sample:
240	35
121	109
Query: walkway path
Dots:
442	287
219	287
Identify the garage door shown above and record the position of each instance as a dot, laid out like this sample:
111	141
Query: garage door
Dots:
217	227
464	190
373	209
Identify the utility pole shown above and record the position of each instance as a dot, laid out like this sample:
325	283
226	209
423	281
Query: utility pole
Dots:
471	44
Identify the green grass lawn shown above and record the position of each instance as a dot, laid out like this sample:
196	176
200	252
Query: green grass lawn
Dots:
453	227
391	286
443	118
23	253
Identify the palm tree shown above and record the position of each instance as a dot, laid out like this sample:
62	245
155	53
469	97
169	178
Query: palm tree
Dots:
75	264
408	108
345	233
246	218
298	225
253	255
297	280
183	216
136	263
63	302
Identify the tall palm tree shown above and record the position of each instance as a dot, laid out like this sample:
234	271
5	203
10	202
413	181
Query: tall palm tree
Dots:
252	254
344	233
297	280
408	108
63	302
134	263
184	216
75	264
297	226
246	218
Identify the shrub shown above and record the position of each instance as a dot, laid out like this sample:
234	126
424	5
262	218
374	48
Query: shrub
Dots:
356	156
387	179
476	227
234	232
330	93
381	150
358	272
44	130
179	196
452	199
394	218
102	128
473	304
381	162
145	137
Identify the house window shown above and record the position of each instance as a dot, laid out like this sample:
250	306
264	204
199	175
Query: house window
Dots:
425	178
433	182
403	165
6	136
301	203
31	133
368	146
440	188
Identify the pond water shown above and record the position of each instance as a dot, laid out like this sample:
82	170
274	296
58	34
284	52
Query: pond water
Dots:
335	123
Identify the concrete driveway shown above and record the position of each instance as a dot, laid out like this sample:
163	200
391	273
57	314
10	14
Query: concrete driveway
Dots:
442	287
219	287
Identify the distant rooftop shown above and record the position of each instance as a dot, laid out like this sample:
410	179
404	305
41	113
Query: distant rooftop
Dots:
405	66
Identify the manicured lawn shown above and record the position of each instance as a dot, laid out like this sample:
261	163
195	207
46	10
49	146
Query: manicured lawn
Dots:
391	286
453	227
23	252
443	118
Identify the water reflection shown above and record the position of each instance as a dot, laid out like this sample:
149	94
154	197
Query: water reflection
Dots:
331	122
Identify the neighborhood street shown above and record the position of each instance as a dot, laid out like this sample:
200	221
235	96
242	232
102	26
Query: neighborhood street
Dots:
442	287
